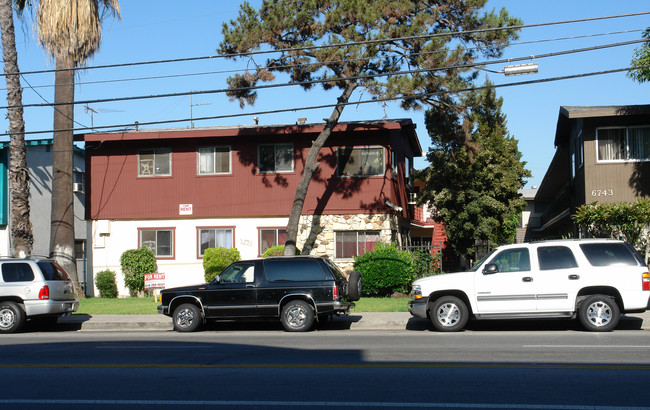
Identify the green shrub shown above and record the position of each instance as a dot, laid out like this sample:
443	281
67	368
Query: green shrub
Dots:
135	263
105	282
277	250
425	263
217	259
385	270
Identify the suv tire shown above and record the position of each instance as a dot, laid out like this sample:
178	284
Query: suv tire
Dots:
599	313
354	286
12	317
297	316
449	314
187	318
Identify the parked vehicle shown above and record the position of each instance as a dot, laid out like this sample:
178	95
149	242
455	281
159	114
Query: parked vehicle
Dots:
33	289
594	280
298	290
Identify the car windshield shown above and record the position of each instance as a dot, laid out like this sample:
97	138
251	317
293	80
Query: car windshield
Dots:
479	263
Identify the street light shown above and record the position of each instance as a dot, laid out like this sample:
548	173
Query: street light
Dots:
520	69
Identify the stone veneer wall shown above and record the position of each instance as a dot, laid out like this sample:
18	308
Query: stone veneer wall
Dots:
316	232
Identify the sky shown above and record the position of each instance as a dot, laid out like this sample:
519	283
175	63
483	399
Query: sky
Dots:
160	30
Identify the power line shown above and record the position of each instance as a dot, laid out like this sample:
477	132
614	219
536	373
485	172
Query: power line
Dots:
303	83
412	96
355	43
161	77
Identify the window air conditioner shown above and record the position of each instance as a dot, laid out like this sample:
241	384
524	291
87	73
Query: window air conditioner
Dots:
78	187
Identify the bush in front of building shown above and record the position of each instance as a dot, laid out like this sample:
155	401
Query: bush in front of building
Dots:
277	250
386	270
105	282
217	259
135	264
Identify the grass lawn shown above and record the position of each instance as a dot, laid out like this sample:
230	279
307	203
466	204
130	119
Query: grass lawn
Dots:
147	306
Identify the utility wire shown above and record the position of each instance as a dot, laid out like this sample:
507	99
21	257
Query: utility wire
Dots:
127	127
161	77
304	83
355	43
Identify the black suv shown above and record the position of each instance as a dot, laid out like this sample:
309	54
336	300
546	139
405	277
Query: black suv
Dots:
298	290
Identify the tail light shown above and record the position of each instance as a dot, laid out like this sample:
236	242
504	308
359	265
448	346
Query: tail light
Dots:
335	292
44	293
646	281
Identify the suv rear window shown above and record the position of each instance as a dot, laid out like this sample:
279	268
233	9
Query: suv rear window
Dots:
293	270
52	271
17	272
609	254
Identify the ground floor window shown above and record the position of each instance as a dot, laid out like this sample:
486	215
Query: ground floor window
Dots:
160	241
270	237
215	238
355	243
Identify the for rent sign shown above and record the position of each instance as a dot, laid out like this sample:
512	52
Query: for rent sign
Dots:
154	281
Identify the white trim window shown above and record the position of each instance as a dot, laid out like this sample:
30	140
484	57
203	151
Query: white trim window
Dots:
160	241
360	161
213	160
623	144
155	162
275	157
350	244
215	238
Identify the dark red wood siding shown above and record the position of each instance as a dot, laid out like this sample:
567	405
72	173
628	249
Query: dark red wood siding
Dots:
116	191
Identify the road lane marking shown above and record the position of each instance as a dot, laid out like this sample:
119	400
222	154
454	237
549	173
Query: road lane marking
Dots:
312	404
563	366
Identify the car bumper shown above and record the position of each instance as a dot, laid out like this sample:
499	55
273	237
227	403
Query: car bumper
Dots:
163	310
51	307
418	308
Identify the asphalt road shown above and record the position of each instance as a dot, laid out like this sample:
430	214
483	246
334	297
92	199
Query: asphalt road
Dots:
265	367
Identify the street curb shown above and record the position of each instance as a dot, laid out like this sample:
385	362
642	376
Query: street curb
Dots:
361	321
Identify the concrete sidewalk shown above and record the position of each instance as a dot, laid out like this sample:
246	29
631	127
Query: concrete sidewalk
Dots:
361	321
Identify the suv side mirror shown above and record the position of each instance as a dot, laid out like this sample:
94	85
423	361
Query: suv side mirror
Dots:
490	269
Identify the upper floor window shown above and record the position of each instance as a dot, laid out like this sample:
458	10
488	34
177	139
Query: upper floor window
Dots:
621	144
360	161
214	160
155	162
160	241
275	157
355	243
215	238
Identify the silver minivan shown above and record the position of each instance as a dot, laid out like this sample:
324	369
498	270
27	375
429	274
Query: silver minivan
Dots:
33	288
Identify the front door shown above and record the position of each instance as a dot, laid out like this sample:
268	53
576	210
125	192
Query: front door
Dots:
511	289
234	294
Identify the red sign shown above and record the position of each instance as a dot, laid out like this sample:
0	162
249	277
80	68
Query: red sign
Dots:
154	281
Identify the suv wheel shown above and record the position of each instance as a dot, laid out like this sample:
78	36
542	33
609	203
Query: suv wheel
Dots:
354	286
12	317
599	313
449	314
297	316
187	318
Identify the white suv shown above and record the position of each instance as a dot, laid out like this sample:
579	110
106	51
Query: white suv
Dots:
593	279
33	288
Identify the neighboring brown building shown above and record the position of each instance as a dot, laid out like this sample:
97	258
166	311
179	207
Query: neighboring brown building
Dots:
602	155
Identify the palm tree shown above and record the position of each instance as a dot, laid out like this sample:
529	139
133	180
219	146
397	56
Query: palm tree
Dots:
70	30
22	238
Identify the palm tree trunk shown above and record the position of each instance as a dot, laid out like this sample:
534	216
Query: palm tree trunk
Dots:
62	229
310	167
21	227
